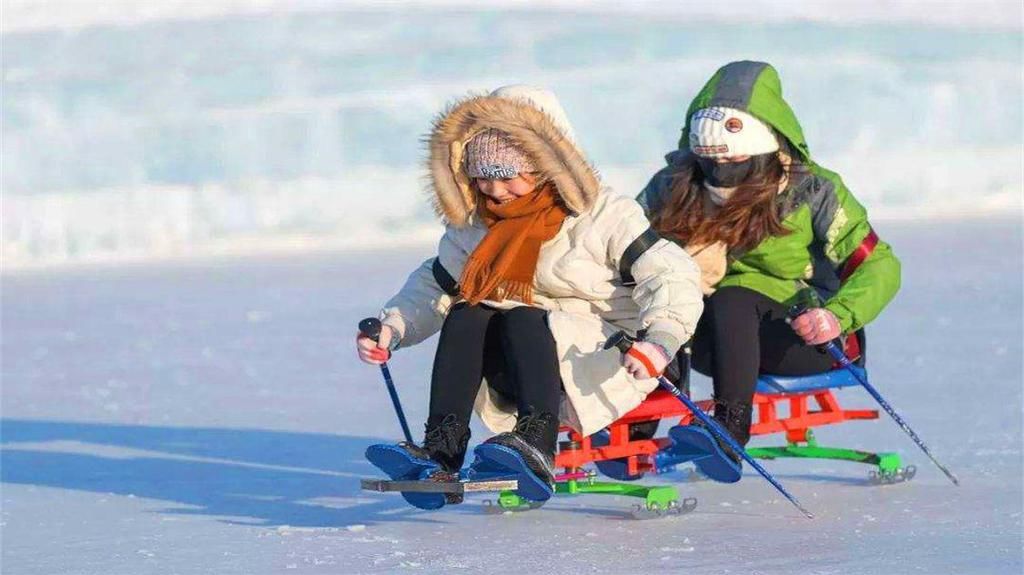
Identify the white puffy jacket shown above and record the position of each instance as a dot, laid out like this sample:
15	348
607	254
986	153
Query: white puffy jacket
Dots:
577	278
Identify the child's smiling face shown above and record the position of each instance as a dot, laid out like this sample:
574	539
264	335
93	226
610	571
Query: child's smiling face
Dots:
506	190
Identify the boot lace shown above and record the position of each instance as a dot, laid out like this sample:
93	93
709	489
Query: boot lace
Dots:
438	434
533	427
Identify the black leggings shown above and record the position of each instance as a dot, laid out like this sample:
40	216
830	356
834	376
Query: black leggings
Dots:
513	349
743	333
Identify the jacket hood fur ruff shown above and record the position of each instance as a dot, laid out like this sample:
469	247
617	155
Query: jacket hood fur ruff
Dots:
519	114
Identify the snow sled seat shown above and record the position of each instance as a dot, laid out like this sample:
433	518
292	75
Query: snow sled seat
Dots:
792	396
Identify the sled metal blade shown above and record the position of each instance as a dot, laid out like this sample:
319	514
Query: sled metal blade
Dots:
675	508
413	486
890	478
494	508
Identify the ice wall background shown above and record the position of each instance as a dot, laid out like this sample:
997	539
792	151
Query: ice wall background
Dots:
142	129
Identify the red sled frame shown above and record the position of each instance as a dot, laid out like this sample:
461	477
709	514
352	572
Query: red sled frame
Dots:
639	457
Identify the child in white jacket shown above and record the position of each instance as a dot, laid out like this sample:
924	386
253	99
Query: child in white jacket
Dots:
538	265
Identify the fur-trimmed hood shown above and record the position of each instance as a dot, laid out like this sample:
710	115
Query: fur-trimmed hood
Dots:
534	120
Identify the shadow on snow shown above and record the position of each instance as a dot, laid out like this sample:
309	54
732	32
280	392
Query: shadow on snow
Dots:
245	476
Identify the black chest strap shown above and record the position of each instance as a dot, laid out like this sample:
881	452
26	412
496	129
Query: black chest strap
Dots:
444	279
636	249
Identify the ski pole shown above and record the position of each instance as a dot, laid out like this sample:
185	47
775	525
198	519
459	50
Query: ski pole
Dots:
623	342
839	355
370	327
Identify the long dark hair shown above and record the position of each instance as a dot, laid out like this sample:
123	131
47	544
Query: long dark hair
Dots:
750	215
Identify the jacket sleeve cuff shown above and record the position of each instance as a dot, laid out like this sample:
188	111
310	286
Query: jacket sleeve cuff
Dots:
842	314
397	325
668	341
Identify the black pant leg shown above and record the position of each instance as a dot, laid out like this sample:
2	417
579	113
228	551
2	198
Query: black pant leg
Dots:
495	370
728	343
743	333
459	362
531	360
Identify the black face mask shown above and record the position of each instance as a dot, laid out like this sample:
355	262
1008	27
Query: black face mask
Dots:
732	174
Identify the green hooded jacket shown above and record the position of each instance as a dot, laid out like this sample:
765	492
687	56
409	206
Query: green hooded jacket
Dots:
828	224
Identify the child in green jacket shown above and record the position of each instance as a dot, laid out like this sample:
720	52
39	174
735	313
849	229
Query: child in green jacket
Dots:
764	222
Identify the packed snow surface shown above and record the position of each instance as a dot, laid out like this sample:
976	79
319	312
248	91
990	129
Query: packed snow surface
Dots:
210	417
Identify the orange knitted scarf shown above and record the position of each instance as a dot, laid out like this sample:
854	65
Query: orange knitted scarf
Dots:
503	264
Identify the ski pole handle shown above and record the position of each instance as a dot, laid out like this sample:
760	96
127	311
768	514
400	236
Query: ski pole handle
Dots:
371	328
796	311
620	340
809	300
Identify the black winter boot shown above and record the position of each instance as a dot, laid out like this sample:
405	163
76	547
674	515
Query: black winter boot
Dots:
445	442
438	459
735	417
534	438
540	431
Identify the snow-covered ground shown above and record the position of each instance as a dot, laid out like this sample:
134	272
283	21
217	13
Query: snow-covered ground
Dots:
210	417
